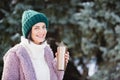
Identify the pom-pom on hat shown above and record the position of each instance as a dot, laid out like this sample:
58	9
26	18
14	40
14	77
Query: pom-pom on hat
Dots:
30	18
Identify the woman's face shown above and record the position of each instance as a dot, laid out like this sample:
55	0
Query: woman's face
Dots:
38	32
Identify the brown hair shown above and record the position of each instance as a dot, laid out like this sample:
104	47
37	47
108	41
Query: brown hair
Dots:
29	36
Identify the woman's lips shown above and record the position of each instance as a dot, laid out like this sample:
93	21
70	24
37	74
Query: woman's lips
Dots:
40	36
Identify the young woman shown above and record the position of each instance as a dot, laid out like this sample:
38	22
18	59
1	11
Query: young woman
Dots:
32	58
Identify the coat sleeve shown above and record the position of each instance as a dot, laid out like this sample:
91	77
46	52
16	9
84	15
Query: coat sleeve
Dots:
11	67
50	59
60	74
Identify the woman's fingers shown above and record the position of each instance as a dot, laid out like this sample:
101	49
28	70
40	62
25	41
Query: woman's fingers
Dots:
66	58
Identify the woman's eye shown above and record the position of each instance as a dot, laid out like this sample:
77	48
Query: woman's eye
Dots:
44	27
36	28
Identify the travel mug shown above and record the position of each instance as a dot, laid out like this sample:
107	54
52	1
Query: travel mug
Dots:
61	50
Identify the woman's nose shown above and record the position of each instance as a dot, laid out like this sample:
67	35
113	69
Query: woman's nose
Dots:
40	30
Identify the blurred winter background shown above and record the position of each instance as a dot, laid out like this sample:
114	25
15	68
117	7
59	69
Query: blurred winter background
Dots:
89	28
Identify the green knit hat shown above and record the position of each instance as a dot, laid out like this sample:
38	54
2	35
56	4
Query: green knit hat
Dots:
30	18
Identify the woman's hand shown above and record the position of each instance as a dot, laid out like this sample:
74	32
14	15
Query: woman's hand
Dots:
66	57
